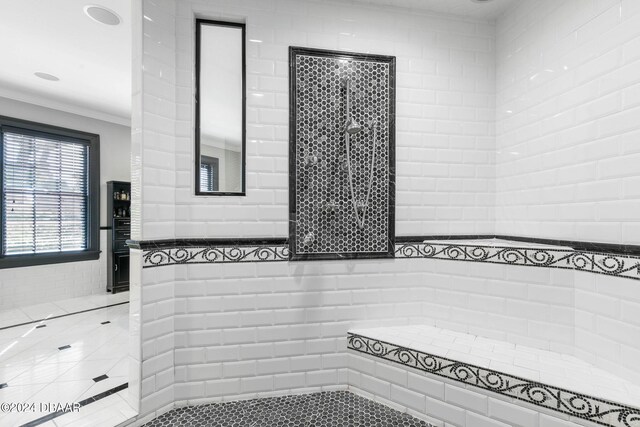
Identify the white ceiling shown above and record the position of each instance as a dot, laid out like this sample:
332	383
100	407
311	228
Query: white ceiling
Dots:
466	8
92	60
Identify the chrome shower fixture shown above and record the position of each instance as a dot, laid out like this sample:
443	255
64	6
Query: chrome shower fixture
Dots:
311	160
352	127
330	206
309	238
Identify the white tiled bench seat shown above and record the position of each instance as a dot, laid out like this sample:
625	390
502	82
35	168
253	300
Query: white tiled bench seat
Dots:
466	380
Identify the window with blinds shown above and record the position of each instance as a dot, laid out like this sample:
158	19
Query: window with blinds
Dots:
209	179
45	193
50	204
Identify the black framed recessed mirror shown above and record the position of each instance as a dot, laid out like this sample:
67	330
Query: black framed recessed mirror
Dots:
220	108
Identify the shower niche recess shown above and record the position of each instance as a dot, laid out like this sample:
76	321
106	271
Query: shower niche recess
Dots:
342	155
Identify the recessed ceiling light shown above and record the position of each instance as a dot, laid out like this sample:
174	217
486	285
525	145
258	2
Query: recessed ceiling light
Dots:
481	1
102	14
46	76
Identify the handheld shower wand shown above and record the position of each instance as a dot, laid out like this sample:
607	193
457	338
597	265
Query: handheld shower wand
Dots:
351	127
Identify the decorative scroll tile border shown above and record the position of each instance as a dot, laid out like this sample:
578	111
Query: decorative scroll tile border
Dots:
589	408
593	262
214	254
619	265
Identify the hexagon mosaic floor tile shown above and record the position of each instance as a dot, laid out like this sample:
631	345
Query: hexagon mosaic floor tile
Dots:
327	409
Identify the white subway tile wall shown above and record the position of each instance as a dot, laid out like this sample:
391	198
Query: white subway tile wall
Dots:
607	323
260	328
25	286
153	147
444	402
568	157
445	114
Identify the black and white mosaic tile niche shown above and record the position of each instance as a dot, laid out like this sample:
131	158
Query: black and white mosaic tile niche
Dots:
322	218
326	409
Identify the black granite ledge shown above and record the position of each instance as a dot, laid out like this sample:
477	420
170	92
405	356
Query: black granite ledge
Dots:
419	239
594	247
604	248
204	242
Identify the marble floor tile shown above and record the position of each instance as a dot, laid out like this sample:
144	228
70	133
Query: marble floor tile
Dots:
66	360
16	316
107	412
43	311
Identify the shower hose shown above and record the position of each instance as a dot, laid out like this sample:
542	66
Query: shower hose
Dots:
360	218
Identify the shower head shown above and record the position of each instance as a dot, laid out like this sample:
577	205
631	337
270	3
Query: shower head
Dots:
352	127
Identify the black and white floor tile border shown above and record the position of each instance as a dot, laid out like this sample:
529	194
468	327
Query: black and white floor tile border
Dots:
326	409
619	265
63	315
589	408
82	403
593	262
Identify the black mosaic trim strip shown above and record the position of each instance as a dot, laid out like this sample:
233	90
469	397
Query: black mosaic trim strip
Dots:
213	254
604	248
589	408
593	262
206	251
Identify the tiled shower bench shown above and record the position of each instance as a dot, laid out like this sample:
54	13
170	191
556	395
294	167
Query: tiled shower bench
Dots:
456	379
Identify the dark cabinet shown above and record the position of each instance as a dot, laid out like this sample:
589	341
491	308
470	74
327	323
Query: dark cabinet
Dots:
120	271
119	213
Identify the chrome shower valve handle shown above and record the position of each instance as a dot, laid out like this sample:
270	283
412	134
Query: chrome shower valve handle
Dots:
312	160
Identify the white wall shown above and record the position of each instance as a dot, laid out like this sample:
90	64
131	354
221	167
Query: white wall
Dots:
33	285
442	402
445	116
607	322
568	103
265	327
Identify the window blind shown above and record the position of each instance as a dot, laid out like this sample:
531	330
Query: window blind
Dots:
45	194
209	174
206	177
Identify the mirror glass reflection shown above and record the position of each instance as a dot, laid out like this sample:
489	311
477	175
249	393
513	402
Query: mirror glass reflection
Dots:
220	109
